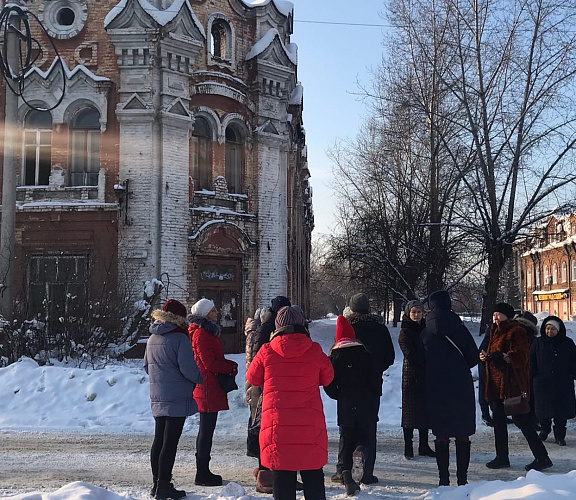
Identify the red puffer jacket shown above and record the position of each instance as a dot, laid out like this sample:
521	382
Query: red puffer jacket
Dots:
210	359
293	433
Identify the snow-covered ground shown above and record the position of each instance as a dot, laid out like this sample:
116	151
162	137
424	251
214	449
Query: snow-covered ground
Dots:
114	400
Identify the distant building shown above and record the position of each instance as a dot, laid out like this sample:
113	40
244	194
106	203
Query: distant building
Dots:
178	153
548	267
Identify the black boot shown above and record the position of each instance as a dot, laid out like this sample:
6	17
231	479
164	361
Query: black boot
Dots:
424	449
203	475
165	490
462	461
349	483
442	461
408	449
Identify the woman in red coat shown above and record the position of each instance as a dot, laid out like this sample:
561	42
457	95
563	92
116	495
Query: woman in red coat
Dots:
293	437
210	396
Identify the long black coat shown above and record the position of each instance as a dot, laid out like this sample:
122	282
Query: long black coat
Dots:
414	412
449	386
372	332
553	370
356	385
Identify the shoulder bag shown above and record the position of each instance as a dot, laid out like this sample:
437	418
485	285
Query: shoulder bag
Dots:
227	382
516	405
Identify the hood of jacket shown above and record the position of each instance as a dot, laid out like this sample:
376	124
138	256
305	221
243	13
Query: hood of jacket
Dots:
561	332
210	326
251	325
354	318
440	322
166	322
530	327
291	345
347	343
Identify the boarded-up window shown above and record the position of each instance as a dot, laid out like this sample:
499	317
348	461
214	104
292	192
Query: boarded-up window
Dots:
202	154
234	160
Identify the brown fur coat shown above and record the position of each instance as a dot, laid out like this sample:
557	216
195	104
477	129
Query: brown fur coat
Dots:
508	338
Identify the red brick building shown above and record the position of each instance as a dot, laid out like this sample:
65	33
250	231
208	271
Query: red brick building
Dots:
177	153
548	268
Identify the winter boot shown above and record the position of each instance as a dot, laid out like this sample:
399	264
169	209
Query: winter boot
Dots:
337	477
349	483
560	435
203	475
462	461
424	449
358	463
265	481
408	449
442	461
165	491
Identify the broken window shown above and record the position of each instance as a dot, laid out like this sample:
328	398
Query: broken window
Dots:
37	148
221	42
85	154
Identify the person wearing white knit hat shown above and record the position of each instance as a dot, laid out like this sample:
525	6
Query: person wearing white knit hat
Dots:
202	308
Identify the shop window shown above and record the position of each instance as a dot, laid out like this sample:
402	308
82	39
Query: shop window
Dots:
85	154
37	148
202	154
234	160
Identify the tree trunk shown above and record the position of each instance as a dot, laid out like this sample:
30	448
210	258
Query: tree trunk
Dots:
496	261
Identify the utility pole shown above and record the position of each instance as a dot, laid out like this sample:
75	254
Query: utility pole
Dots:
9	179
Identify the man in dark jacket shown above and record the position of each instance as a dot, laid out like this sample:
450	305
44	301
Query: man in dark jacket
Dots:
372	332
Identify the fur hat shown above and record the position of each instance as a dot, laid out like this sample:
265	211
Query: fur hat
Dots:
287	315
441	300
552	322
174	307
359	303
279	302
202	308
529	316
505	309
344	329
411	304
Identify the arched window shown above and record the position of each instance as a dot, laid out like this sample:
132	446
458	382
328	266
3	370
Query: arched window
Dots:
37	148
202	154
537	277
564	272
555	273
574	270
85	154
529	278
547	277
234	160
221	43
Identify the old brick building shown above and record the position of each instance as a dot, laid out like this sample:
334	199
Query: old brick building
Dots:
177	153
548	267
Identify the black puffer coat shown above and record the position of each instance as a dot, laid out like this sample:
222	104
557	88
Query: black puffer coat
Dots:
553	370
356	385
449	387
414	413
372	332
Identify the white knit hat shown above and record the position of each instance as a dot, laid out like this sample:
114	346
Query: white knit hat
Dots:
554	323
202	308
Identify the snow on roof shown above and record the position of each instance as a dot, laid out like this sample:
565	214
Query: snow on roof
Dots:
162	17
261	45
69	73
285	8
296	95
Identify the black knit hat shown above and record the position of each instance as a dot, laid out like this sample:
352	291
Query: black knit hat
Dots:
359	303
505	309
279	302
529	316
440	300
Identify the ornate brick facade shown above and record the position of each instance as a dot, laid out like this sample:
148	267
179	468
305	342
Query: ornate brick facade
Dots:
177	153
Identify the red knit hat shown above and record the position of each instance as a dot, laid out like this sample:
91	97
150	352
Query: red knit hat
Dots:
175	307
344	329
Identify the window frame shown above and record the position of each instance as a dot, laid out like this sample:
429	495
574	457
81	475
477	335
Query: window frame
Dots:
89	150
234	160
41	145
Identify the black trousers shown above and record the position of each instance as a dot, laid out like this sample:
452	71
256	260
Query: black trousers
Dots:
370	439
205	434
559	427
163	453
523	422
350	438
285	484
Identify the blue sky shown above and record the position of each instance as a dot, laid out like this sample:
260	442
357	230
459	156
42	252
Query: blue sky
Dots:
331	58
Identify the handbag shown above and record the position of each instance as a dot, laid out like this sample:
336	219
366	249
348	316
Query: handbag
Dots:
227	382
516	405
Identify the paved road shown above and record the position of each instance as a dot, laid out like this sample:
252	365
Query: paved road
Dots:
48	461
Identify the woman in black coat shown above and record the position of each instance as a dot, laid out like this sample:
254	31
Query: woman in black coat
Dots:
553	370
450	353
414	413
